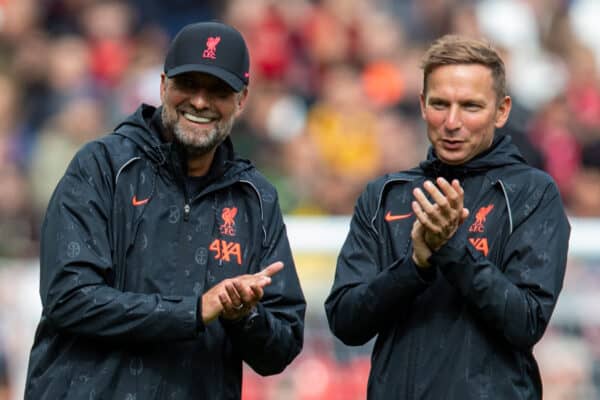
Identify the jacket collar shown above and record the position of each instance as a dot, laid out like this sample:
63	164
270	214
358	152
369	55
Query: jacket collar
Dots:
502	152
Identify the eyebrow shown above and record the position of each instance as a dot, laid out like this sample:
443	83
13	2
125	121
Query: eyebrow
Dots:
435	99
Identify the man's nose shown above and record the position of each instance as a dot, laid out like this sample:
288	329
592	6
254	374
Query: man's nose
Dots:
200	98
453	120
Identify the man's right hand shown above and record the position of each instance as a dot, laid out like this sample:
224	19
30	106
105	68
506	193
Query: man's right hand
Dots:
234	298
421	251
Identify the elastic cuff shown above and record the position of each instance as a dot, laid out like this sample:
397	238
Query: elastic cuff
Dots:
405	270
427	275
243	323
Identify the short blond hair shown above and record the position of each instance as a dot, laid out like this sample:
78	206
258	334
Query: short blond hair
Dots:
454	50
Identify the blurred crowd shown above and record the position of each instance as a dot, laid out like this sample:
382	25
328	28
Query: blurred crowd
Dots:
333	94
334	90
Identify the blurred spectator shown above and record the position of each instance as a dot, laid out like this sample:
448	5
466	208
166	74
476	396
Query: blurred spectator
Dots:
138	82
61	16
395	134
78	121
552	133
10	146
342	126
328	34
18	18
68	69
29	68
424	20
512	25
18	230
583	92
64	72
173	14
568	368
518	128
381	50
270	41
583	17
342	116
591	339
107	26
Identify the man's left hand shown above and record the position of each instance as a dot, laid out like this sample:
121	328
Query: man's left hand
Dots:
442	216
244	292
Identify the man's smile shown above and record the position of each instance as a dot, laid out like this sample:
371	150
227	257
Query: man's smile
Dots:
200	119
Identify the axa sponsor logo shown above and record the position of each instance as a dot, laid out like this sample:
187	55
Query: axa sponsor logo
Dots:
226	251
211	47
480	244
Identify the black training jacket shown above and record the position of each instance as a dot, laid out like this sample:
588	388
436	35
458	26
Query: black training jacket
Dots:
126	253
466	329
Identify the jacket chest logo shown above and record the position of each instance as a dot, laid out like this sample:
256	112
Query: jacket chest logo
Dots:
480	243
480	218
227	250
228	216
137	203
389	217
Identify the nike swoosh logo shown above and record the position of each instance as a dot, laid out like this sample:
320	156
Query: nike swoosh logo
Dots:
389	217
137	202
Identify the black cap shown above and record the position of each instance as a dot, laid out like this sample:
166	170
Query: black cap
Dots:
213	48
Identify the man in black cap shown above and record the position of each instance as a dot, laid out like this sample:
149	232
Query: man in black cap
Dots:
164	257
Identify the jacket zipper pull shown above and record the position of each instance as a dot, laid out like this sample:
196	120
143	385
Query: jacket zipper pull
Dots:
186	212
186	203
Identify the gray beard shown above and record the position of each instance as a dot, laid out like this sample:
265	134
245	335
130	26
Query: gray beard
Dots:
198	149
192	147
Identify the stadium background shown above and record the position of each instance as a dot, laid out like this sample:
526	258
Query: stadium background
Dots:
333	103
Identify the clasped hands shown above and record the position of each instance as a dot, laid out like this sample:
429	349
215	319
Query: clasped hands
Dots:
235	297
438	219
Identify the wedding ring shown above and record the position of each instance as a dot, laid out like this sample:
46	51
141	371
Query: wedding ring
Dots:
239	307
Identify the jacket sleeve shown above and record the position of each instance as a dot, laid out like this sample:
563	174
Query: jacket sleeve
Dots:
516	299
273	334
367	294
76	266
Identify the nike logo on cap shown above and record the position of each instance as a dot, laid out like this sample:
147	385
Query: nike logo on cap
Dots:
389	217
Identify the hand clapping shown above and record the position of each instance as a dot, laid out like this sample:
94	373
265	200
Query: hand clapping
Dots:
437	220
235	297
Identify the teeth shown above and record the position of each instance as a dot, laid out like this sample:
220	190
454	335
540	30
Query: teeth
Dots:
195	118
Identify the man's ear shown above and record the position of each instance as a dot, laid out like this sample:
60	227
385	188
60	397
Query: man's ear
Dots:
163	86
241	98
422	101
503	111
